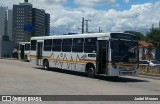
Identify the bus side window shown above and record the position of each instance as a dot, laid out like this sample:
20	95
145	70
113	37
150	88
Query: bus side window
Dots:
90	45
27	47
20	47
66	45
57	45
47	44
33	45
78	45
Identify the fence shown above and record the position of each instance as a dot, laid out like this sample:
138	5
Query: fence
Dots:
149	70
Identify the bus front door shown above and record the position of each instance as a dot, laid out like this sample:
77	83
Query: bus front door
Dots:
39	53
22	48
102	57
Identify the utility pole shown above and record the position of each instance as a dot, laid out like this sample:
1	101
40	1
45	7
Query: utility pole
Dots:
83	20
87	25
159	25
100	29
82	25
152	27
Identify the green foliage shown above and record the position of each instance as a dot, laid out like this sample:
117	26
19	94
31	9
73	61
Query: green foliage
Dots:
139	35
154	37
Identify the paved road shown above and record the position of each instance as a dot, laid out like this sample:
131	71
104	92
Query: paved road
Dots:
20	78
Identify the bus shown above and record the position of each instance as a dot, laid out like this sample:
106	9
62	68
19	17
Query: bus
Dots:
24	51
111	54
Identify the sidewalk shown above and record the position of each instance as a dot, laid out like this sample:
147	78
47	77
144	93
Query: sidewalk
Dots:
149	76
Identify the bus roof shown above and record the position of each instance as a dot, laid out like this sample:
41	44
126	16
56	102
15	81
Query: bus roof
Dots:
24	42
85	35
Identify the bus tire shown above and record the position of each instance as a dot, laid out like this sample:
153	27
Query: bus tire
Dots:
46	65
90	71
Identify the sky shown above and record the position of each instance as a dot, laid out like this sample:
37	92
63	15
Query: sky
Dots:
110	15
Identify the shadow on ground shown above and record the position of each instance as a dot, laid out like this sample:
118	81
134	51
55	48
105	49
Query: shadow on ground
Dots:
104	78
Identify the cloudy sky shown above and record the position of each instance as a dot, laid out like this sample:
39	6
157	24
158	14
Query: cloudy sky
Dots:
110	15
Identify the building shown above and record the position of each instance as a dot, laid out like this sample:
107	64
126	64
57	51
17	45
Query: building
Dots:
47	24
9	25
3	21
6	46
22	16
38	22
29	21
144	52
148	51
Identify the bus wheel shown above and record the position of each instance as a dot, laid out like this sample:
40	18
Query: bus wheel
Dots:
91	71
46	65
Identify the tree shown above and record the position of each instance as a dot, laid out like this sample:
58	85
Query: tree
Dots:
139	35
154	37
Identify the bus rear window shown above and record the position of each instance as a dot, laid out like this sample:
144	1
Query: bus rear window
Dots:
27	47
33	45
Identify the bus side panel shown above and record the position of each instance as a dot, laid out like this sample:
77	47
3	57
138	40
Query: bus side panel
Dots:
57	59
54	62
47	55
33	58
65	61
78	64
27	53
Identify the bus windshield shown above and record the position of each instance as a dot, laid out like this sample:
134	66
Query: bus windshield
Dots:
124	51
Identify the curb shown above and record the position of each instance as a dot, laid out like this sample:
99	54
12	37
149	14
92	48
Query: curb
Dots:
9	58
149	76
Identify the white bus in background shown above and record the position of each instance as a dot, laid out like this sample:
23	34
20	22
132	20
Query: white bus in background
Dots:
111	54
24	51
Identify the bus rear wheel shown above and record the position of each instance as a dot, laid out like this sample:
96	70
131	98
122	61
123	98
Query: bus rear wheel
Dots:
46	65
91	71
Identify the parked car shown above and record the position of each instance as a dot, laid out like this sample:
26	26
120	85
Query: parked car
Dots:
150	63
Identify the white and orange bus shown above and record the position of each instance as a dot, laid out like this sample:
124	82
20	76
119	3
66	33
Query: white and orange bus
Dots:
112	54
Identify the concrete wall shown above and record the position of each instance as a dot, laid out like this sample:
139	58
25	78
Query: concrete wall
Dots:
6	48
